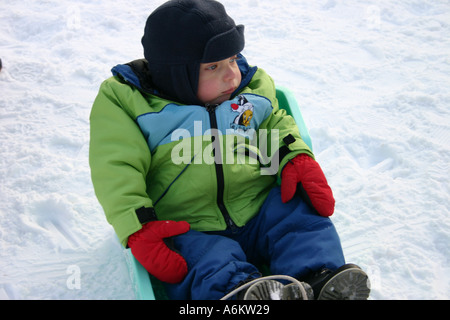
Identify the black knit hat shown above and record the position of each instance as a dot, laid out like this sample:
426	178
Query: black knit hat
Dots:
181	34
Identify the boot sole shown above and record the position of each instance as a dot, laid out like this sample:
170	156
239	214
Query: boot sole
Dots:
265	290
348	284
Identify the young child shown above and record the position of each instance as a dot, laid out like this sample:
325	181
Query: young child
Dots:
180	166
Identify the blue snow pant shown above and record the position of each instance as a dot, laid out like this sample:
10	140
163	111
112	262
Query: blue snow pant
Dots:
289	237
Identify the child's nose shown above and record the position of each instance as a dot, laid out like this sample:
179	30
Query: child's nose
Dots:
229	74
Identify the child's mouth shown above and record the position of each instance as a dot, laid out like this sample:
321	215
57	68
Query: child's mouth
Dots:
229	91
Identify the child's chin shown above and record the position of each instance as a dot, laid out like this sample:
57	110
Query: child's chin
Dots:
221	99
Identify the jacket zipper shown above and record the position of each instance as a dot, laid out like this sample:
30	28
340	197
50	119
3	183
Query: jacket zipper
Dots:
218	164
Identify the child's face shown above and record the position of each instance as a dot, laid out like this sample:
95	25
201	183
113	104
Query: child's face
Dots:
218	80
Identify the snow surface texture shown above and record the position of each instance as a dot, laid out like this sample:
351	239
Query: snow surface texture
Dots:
371	78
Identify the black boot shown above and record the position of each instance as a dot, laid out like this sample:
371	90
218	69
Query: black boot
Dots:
348	282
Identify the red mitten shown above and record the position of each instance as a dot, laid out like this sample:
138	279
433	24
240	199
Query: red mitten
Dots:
305	173
148	247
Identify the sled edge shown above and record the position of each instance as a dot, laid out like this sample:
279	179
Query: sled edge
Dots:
287	101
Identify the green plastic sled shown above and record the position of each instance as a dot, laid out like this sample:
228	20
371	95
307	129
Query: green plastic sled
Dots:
147	287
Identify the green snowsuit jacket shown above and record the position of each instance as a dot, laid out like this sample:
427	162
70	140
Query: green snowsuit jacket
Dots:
211	166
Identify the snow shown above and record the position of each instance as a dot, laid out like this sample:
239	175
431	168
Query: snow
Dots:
372	81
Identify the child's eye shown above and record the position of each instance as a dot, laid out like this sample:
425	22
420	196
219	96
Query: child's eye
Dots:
234	59
212	67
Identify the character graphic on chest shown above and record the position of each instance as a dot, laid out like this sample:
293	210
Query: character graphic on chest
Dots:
245	113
